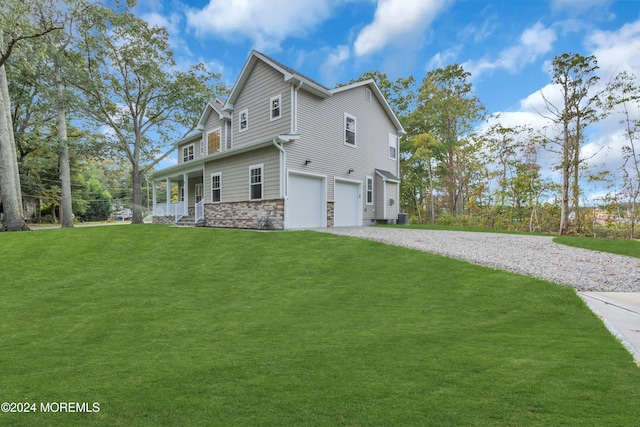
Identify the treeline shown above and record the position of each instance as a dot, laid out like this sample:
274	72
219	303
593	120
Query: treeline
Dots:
460	166
82	82
91	98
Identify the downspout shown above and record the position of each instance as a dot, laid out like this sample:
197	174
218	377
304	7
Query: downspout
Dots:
283	162
294	108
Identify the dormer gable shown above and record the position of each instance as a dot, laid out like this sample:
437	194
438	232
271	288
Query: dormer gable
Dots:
216	107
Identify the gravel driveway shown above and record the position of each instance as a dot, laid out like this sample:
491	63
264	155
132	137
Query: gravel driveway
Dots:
537	256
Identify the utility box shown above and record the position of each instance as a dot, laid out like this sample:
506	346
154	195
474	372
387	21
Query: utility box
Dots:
403	219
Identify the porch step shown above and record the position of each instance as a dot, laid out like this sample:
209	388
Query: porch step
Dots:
188	221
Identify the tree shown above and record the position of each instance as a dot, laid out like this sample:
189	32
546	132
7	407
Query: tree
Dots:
448	111
133	87
624	92
19	21
574	76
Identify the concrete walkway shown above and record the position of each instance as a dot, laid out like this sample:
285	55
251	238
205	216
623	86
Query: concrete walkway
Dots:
620	312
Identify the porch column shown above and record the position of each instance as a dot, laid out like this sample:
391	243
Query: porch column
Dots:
168	191
154	197
185	180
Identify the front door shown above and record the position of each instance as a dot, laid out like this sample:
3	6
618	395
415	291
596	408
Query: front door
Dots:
198	192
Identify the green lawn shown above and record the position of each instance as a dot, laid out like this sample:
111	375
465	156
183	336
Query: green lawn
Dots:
190	326
615	246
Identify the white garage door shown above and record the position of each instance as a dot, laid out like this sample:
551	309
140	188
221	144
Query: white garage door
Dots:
305	203
347	204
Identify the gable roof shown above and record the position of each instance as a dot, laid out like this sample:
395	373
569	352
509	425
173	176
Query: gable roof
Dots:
215	105
305	83
290	76
379	96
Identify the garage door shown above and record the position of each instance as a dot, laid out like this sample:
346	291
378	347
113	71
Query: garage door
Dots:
347	204
305	203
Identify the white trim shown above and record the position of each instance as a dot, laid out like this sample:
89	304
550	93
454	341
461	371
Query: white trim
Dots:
193	153
279	116
355	130
393	145
366	191
246	120
218	129
251	168
219	175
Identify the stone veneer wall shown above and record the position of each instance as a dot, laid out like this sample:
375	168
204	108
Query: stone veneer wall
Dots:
247	214
330	214
165	220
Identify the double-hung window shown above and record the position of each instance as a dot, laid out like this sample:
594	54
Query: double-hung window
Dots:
369	190
216	187
243	120
393	147
187	153
349	130
275	107
255	182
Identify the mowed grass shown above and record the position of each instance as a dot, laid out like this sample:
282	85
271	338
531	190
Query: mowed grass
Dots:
614	246
173	326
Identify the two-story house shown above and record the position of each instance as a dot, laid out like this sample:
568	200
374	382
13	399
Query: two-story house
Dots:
284	151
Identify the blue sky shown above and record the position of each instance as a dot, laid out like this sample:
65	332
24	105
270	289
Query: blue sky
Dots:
507	45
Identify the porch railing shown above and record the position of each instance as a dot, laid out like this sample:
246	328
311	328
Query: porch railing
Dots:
179	210
199	211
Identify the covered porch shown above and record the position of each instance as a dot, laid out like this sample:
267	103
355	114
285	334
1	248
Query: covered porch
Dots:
178	197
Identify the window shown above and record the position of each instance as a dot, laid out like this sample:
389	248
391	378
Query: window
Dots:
187	153
393	147
255	182
275	107
216	187
243	120
213	141
349	130
369	190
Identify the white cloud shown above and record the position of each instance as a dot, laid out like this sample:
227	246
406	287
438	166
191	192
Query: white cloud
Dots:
266	23
397	20
617	51
444	58
334	60
534	42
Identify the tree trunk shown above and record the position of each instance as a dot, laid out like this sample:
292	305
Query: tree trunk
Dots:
13	216
66	210
136	177
564	206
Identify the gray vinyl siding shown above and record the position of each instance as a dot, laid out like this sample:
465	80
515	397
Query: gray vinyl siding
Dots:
392	193
321	129
196	149
235	175
263	83
214	122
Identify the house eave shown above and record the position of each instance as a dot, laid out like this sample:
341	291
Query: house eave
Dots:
198	164
378	93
